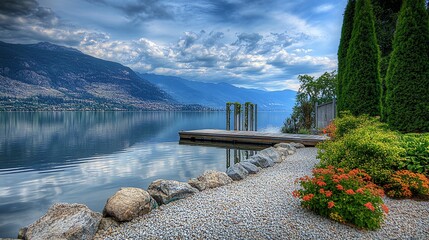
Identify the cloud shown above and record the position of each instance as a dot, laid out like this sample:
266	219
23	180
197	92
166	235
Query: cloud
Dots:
139	11
324	8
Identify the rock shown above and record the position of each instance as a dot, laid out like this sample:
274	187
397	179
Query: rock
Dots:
272	153
129	203
251	168
197	184
297	145
65	221
21	233
290	148
261	160
237	172
283	153
214	179
165	191
107	223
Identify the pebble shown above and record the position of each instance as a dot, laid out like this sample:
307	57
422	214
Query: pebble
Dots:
262	207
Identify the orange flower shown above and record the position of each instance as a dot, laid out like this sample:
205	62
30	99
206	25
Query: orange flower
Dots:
350	192
295	194
331	204
321	183
369	206
328	193
308	197
339	187
360	190
322	191
385	208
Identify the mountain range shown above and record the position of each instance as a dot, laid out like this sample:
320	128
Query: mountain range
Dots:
216	95
45	76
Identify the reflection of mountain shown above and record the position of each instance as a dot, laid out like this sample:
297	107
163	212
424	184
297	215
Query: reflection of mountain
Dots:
44	139
217	94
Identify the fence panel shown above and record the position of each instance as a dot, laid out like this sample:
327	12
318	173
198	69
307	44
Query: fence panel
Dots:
325	113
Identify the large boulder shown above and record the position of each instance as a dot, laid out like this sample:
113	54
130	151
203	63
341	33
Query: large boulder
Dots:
283	153
129	203
272	153
261	160
65	221
251	168
237	172
289	146
165	191
194	182
213	179
297	145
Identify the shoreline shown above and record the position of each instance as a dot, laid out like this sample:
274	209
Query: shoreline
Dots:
262	207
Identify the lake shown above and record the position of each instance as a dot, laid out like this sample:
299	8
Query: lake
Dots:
85	157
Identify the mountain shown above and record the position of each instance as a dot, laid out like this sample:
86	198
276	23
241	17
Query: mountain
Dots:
45	76
216	95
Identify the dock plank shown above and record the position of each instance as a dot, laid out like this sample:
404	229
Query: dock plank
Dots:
249	137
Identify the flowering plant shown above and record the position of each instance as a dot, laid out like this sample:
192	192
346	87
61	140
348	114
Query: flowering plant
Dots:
330	130
406	184
344	196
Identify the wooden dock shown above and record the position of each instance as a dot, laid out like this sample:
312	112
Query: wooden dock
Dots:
249	137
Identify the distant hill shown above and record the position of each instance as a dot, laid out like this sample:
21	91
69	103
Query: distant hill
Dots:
45	76
215	95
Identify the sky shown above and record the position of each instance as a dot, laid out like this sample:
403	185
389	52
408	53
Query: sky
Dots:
263	44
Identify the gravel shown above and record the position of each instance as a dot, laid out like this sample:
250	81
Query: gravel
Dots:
262	207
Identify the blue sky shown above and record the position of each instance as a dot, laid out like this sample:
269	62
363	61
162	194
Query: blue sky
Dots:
249	43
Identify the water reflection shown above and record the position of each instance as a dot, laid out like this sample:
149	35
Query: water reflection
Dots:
85	157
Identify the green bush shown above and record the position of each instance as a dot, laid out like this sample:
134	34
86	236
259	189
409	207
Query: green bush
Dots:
347	122
344	196
416	157
369	147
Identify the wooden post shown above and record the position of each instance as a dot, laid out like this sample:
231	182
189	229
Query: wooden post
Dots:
235	117
228	116
246	116
316	120
251	117
256	117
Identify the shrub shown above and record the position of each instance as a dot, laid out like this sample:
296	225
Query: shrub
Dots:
406	184
347	122
346	197
371	148
330	130
416	153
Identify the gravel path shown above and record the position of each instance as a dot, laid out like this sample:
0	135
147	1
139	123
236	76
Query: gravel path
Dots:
262	207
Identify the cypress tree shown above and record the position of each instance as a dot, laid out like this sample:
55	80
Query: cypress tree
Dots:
361	88
346	35
407	82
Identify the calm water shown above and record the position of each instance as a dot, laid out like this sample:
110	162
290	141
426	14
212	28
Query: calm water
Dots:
85	157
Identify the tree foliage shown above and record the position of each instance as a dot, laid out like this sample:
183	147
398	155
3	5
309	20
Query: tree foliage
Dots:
346	34
312	90
407	81
361	85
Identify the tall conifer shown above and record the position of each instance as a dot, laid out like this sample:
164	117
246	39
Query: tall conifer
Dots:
407	82
346	35
361	88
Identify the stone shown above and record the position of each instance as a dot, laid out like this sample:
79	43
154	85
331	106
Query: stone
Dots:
165	191
197	184
297	145
237	172
129	203
251	168
262	161
65	221
272	153
214	179
283	153
106	223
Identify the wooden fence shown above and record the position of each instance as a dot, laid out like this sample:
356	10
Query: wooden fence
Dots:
325	113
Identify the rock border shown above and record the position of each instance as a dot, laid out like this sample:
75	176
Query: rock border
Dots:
166	191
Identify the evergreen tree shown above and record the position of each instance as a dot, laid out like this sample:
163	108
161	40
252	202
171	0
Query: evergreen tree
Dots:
386	14
361	85
346	34
407	79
